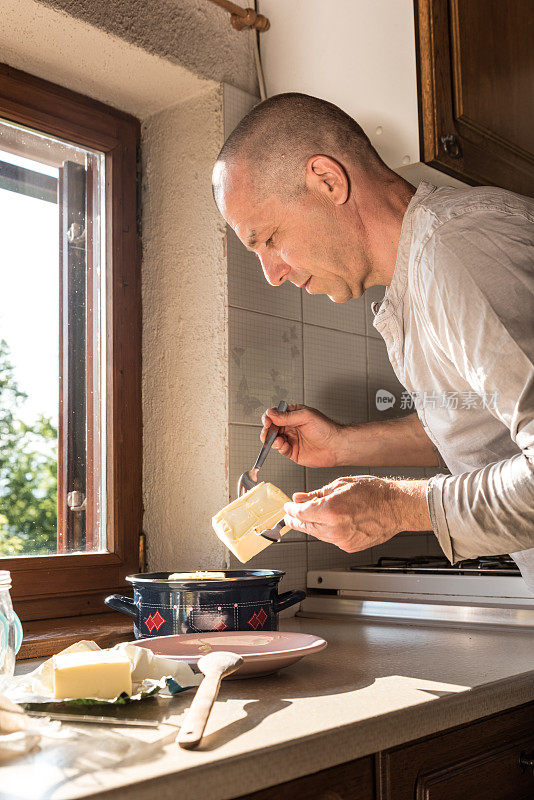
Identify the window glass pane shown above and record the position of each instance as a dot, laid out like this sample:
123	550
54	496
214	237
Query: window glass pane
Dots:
52	325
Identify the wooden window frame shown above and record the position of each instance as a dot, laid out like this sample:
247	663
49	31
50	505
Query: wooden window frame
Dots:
66	585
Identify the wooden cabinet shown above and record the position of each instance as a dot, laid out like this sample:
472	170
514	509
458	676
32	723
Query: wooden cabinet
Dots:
491	759
476	89
354	780
485	760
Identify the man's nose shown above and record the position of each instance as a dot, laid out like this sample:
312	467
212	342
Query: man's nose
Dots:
275	269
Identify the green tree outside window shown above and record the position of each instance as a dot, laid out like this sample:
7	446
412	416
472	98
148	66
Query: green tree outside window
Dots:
28	473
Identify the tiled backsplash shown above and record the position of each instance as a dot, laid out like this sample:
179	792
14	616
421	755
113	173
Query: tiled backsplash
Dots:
265	355
320	310
286	344
335	372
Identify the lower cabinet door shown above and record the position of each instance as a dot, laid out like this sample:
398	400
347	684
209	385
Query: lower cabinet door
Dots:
498	776
491	759
351	781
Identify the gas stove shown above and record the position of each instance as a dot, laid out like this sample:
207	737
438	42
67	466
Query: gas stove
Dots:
435	565
425	589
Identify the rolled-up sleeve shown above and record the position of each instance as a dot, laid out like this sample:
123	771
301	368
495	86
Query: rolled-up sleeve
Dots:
479	294
485	512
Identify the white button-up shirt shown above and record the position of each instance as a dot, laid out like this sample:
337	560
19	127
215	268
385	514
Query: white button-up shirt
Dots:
458	322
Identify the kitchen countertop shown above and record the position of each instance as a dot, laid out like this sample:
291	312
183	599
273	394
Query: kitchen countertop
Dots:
375	686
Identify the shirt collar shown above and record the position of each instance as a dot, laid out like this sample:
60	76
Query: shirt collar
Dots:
395	291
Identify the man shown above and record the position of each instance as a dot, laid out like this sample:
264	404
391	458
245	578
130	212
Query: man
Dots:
301	185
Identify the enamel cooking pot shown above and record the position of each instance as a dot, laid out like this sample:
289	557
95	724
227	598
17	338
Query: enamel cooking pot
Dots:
243	600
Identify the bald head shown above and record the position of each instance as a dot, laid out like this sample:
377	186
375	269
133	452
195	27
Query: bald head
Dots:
274	141
301	185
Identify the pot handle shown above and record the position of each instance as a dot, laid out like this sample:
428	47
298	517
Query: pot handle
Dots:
288	599
123	604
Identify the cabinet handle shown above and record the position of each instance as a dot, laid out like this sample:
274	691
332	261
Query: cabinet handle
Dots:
526	762
451	145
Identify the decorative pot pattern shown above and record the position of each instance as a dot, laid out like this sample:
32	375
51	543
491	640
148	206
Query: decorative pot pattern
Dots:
249	601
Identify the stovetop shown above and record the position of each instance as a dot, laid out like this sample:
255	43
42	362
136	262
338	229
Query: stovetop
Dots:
434	565
484	591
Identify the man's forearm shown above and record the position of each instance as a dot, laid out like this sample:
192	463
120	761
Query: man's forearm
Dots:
412	506
388	443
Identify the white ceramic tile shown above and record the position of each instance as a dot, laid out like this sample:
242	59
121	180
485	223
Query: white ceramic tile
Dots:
247	287
369	297
403	545
318	309
265	355
382	376
282	472
322	555
290	557
335	379
236	103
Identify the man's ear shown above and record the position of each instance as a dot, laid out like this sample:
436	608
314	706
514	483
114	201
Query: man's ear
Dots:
326	176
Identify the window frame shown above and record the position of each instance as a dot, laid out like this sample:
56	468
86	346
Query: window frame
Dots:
63	585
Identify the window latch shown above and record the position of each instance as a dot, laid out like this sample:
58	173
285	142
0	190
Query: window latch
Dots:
77	501
76	233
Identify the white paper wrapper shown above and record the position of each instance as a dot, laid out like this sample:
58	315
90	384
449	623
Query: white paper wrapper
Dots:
151	674
79	749
19	733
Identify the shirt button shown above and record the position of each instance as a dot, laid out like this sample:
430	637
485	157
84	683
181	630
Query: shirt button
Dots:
378	305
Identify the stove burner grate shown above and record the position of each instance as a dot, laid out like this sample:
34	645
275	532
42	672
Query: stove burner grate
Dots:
484	565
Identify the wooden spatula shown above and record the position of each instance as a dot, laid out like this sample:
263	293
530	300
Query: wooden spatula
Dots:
215	667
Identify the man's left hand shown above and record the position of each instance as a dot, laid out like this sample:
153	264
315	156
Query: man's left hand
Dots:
361	511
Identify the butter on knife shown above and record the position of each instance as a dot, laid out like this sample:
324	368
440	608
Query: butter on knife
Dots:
240	523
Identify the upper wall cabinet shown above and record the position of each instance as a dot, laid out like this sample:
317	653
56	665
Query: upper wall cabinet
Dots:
476	73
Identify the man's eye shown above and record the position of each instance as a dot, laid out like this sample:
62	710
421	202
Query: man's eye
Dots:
269	241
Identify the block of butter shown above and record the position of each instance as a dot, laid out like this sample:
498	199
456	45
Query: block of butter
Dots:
196	576
239	524
92	673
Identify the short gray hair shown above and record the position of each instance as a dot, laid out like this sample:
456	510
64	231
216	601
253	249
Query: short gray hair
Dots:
278	136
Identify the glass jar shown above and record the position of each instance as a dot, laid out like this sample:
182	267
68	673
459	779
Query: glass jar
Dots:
10	629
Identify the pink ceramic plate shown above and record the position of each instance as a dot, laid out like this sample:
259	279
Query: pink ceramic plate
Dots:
262	653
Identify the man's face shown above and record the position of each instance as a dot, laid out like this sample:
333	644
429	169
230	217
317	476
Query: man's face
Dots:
301	241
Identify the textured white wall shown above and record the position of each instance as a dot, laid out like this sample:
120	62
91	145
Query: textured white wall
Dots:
193	33
185	359
185	414
72	53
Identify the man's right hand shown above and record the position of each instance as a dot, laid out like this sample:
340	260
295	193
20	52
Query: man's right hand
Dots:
313	440
306	436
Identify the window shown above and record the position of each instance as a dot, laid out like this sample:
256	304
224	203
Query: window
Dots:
52	359
70	346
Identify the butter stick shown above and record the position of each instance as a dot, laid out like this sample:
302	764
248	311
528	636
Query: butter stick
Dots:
239	523
196	576
92	673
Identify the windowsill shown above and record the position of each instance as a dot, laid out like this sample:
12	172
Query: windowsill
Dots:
47	637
